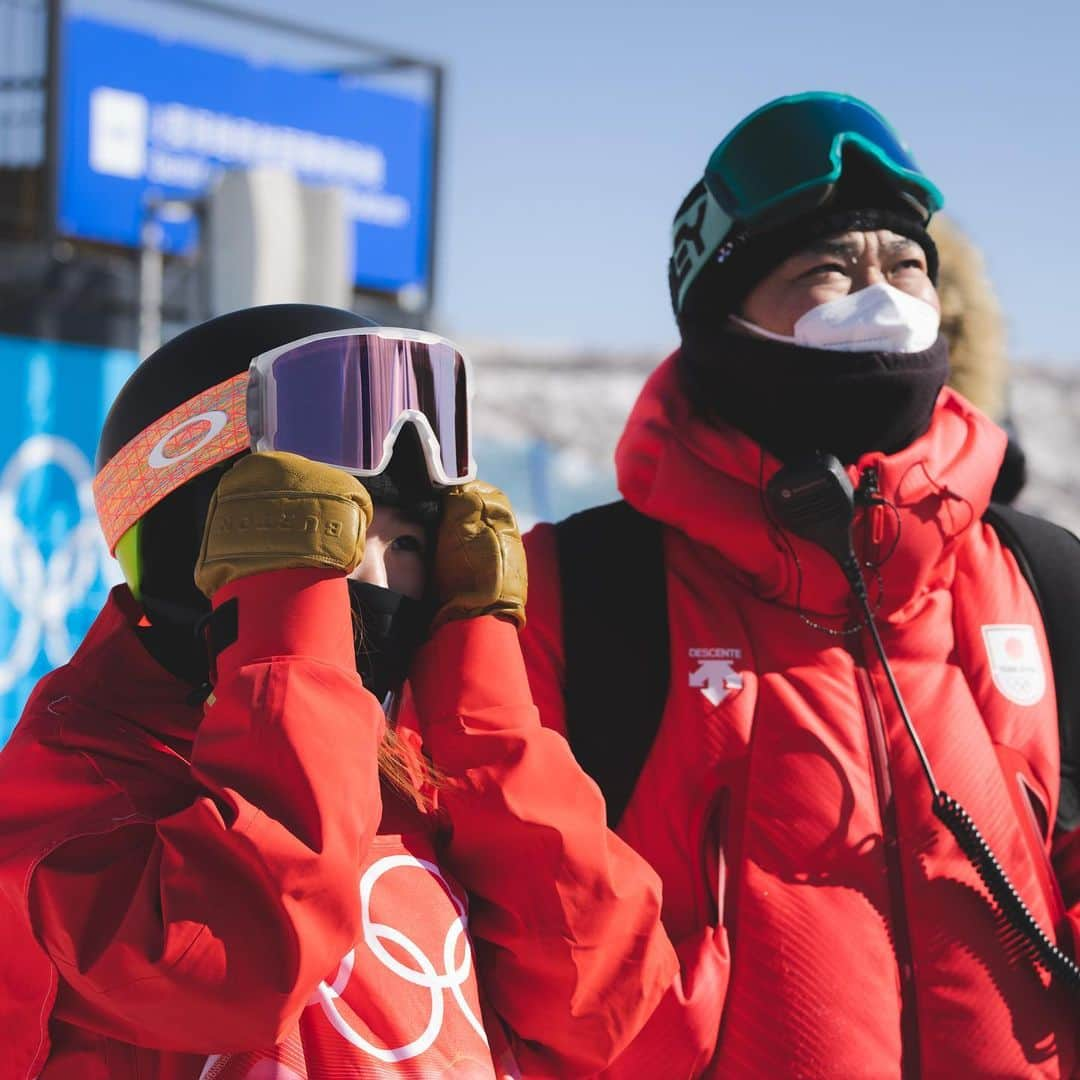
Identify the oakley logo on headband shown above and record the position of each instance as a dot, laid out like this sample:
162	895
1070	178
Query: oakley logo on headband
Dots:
696	233
186	439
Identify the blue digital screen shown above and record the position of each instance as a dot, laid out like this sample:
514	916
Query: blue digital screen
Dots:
142	115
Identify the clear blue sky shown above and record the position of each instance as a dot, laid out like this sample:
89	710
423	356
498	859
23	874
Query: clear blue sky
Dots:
573	129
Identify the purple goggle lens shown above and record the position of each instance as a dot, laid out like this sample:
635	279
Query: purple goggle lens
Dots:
342	398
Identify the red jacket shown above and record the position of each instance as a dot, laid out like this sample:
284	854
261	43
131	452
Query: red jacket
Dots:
183	886
827	923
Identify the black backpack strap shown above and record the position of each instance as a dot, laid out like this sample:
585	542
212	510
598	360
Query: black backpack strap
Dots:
615	643
1049	558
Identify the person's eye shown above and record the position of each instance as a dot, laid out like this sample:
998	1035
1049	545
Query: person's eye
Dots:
914	263
407	544
823	269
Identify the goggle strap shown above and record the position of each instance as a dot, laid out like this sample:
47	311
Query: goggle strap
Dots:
696	234
198	434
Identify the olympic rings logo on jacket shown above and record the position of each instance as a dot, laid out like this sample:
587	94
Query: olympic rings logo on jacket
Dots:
372	960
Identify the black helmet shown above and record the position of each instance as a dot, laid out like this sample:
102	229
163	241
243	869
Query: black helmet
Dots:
158	553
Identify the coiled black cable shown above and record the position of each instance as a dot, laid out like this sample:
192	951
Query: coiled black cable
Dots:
1034	940
973	844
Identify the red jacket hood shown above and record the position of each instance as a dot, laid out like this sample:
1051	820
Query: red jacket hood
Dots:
707	481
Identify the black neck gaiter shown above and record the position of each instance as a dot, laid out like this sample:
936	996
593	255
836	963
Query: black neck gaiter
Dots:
795	401
388	629
173	638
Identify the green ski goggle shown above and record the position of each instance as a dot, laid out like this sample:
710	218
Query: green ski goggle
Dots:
780	163
783	159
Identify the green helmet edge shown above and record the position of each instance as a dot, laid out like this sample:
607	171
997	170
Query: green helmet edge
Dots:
127	555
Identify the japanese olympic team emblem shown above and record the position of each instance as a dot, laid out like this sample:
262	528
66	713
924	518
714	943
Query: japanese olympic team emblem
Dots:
44	589
1016	664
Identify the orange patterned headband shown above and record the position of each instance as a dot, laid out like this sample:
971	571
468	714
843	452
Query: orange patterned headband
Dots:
194	437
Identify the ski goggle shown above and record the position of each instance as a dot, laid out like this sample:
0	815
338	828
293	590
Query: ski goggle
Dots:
339	398
783	159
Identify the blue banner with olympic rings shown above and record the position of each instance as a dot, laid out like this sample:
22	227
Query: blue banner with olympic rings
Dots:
55	570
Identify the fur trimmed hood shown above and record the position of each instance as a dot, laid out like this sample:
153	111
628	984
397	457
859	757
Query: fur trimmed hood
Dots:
971	321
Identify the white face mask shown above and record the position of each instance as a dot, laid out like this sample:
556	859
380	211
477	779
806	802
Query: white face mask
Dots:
878	318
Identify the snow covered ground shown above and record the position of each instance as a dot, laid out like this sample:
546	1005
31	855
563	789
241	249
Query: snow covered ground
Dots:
547	421
1046	405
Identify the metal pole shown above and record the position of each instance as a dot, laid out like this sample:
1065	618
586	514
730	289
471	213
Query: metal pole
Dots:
437	77
151	283
48	226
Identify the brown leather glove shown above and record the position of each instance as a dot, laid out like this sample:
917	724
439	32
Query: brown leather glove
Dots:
479	557
275	510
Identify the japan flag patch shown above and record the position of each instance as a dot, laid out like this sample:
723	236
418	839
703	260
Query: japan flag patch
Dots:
1015	662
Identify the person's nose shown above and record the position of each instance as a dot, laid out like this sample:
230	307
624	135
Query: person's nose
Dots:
372	569
865	274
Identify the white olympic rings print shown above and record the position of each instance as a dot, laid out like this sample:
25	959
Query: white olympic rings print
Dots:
424	974
44	591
